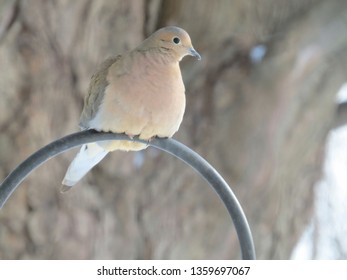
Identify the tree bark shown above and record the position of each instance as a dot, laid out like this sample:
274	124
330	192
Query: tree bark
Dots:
262	124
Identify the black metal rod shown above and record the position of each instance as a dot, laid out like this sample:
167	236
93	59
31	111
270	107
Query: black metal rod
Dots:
170	146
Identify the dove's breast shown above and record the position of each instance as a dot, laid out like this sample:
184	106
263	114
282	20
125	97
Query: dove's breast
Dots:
146	98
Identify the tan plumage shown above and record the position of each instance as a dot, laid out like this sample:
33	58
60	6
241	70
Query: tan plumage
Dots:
138	93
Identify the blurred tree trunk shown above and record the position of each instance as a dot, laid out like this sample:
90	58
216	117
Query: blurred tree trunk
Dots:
262	124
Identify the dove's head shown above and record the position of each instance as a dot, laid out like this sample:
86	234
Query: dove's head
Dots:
174	41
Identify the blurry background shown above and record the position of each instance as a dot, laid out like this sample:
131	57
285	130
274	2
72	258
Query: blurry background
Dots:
260	105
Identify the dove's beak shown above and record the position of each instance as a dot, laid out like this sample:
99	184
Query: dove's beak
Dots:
194	53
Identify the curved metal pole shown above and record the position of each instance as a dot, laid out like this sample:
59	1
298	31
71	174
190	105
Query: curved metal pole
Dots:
171	146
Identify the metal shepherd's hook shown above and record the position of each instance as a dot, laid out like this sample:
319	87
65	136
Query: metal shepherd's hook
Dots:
170	146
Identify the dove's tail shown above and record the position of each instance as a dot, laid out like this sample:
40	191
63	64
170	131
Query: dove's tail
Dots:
89	156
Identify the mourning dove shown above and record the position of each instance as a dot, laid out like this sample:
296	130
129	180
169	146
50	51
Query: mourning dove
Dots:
138	93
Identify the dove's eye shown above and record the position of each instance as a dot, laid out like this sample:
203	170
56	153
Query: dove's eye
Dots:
176	40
